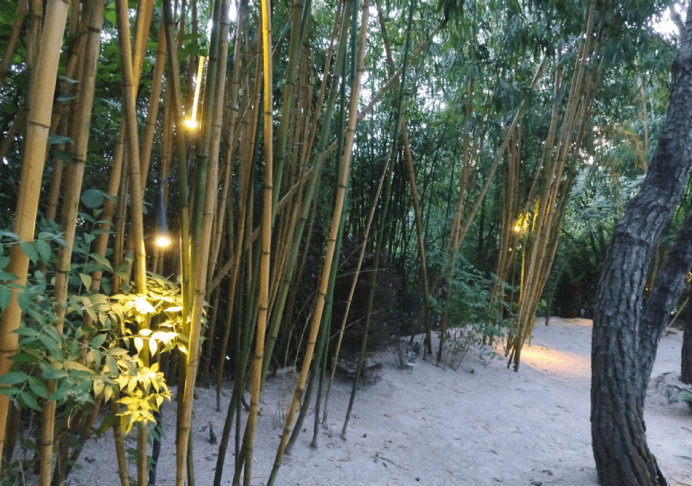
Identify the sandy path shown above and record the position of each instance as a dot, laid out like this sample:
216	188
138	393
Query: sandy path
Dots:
477	425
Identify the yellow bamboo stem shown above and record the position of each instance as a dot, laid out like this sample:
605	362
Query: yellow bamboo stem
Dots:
38	124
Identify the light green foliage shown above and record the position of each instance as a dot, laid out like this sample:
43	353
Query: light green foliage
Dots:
99	360
469	307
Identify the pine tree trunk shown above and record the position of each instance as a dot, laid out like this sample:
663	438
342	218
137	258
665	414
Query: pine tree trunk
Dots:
617	426
686	364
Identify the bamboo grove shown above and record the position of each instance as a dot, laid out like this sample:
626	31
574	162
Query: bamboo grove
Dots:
274	145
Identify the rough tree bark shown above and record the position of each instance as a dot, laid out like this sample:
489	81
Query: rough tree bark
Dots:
686	365
624	336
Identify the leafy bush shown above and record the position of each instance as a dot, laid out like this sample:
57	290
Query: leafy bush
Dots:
472	319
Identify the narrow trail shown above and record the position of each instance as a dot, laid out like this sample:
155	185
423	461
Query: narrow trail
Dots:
479	425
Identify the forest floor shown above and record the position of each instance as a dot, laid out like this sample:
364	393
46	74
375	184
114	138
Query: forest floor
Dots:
479	425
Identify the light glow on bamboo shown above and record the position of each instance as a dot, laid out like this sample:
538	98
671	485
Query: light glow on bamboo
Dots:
192	121
163	241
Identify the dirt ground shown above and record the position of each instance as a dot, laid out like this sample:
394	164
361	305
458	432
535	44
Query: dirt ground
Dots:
479	425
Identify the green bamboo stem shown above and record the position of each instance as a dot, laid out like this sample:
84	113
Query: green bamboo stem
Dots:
307	202
265	243
38	123
297	31
207	177
331	242
245	190
366	236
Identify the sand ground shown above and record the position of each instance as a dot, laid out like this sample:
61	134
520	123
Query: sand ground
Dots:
479	425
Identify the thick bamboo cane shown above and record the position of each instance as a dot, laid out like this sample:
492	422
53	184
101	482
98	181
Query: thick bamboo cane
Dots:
245	172
137	228
266	242
548	213
38	124
34	20
230	154
181	146
331	240
207	195
214	149
100	245
75	172
312	186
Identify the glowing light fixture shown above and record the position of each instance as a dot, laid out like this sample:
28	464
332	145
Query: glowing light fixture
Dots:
517	229
163	237
192	121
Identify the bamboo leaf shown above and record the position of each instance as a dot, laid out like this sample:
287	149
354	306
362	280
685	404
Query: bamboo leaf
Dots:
102	260
29	250
43	249
98	340
92	198
13	378
8	390
54	139
86	279
38	387
5	297
30	401
66	97
62	155
107	393
25	301
7	276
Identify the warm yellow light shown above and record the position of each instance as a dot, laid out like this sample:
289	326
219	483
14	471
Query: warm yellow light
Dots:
517	229
163	241
192	123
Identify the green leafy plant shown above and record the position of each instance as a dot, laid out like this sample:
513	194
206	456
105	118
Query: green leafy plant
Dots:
473	319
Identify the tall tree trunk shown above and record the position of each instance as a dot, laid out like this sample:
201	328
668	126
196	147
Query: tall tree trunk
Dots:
617	426
686	361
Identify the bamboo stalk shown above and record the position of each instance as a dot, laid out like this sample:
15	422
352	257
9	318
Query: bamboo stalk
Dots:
312	185
38	124
398	119
154	101
75	173
408	158
206	200
245	190
294	52
12	42
356	274
214	149
34	20
136	193
266	242
9	138
331	240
